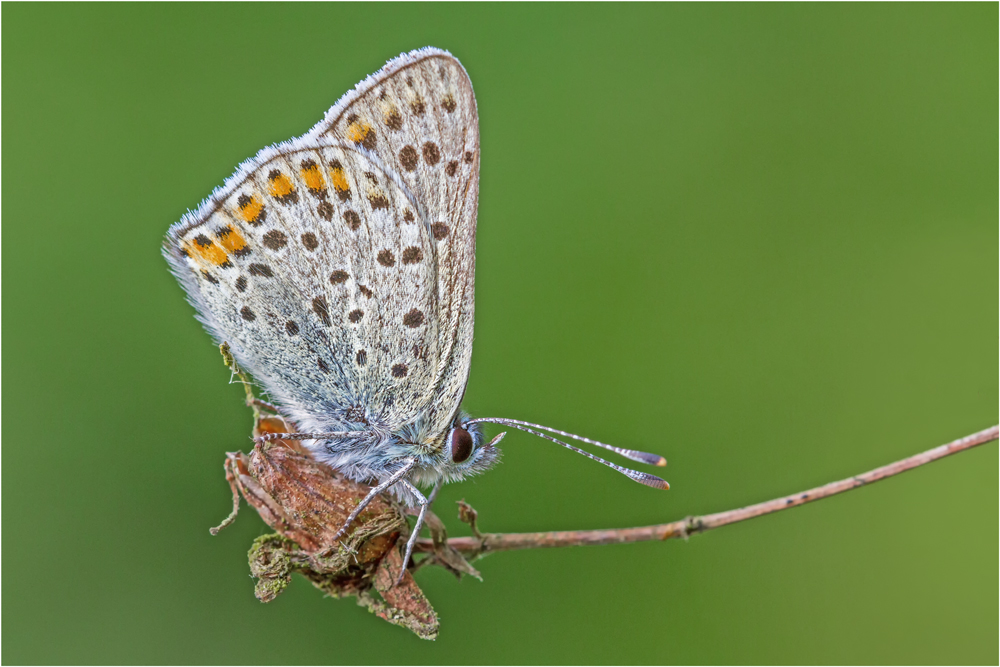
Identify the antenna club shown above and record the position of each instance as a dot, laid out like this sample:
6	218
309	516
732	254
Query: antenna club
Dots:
654	482
662	463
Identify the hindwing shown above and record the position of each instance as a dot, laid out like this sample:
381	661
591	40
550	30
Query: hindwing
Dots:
340	266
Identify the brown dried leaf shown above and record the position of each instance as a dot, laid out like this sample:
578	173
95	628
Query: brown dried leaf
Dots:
307	503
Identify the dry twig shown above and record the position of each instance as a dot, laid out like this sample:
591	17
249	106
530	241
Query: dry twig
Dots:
488	543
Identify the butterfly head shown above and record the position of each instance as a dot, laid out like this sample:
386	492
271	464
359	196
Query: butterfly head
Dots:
465	450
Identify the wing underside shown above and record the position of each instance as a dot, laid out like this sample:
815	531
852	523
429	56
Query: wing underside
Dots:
340	266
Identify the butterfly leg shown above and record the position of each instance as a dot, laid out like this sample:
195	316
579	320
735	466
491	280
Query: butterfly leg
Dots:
434	492
395	477
424	504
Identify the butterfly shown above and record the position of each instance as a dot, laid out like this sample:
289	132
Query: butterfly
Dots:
339	268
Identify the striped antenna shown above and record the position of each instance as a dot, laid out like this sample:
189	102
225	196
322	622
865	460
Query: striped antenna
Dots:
641	477
632	454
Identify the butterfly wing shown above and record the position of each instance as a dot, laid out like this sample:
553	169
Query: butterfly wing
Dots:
418	117
340	266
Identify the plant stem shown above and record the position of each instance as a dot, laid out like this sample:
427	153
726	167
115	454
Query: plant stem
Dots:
491	542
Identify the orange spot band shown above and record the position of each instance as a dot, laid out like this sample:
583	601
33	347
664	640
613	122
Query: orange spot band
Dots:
313	179
208	253
251	211
280	186
233	242
357	131
339	180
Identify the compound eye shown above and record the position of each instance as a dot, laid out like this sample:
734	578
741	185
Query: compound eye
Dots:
461	444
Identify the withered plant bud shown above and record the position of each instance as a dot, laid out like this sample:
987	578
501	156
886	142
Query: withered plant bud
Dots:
307	502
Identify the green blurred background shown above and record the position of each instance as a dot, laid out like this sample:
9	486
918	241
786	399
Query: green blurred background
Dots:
758	239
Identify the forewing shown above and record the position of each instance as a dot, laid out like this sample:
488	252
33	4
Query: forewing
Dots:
418	117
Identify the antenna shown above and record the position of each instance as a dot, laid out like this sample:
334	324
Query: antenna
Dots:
634	455
641	457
